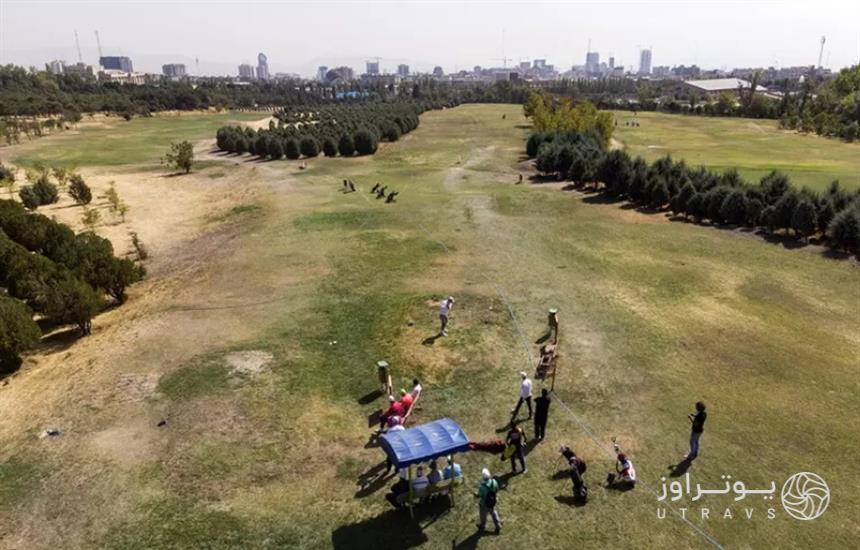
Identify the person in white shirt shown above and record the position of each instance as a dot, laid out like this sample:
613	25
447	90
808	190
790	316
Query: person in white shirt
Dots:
525	396
420	481
626	473
444	310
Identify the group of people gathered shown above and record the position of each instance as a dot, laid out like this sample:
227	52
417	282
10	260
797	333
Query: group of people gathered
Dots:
425	478
622	478
380	189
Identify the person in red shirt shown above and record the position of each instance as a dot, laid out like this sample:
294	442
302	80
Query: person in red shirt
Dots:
406	401
394	409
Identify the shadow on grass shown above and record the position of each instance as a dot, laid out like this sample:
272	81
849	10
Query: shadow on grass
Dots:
59	340
370	397
430	340
372	480
679	469
561	474
391	529
471	542
570	500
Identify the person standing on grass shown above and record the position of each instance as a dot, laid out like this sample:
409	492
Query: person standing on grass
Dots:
697	420
444	310
516	439
541	413
487	499
525	396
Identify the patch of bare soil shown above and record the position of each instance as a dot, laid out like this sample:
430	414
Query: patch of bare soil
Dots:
248	362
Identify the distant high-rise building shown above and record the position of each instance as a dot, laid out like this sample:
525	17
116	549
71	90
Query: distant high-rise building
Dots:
438	72
116	63
56	66
525	66
372	67
403	70
321	72
246	71
539	64
611	62
645	61
173	70
592	62
80	69
262	67
343	73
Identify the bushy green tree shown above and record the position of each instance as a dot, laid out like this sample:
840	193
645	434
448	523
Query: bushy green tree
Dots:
309	147
291	149
276	149
329	147
734	208
18	332
682	199
659	194
844	230
79	190
71	301
346	146
180	156
804	221
366	141
696	206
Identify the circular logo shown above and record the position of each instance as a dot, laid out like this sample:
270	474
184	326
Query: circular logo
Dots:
805	496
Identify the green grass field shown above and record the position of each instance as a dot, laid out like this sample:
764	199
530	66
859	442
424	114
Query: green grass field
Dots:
752	146
140	141
655	316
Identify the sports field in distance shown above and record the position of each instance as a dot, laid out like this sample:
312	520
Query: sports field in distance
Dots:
271	295
753	146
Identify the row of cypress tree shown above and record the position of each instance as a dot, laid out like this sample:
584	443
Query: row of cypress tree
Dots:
337	129
700	194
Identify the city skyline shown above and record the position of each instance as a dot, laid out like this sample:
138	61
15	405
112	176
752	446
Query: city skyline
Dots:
486	37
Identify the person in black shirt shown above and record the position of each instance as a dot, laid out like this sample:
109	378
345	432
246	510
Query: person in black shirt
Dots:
541	414
698	426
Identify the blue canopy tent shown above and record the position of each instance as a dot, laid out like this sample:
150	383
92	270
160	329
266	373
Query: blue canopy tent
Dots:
422	443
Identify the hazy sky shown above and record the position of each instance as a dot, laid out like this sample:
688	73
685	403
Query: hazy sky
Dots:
298	36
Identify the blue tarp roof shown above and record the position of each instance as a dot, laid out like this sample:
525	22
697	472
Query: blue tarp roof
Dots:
425	442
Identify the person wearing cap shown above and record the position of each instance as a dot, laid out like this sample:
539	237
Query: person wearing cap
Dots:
525	395
487	500
406	400
541	413
452	470
444	310
395	408
382	374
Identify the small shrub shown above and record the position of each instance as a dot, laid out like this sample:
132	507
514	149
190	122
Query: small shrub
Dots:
79	190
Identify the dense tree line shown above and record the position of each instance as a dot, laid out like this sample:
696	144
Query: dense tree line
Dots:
831	109
700	194
827	106
331	130
29	94
47	269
